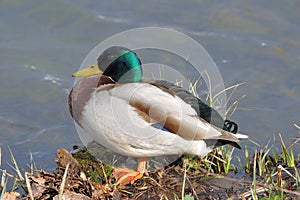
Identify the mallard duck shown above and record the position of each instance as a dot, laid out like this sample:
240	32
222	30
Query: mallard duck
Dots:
143	118
123	65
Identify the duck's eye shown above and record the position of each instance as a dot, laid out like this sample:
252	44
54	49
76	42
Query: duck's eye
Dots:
92	66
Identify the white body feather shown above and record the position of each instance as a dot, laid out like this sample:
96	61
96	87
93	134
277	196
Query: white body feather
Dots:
113	122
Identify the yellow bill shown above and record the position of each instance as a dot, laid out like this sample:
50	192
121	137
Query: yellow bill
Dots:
89	71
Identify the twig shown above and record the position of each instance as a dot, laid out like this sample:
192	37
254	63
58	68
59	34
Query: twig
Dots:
286	171
63	182
103	171
8	174
193	190
28	186
2	184
249	193
184	177
298	127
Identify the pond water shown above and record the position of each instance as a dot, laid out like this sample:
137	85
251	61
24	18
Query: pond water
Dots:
43	42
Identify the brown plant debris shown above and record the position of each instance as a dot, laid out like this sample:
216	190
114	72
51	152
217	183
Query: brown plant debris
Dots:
82	182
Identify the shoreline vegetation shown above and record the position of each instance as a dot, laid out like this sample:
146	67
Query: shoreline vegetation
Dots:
264	175
267	173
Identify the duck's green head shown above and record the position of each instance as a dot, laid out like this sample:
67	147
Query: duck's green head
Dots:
119	63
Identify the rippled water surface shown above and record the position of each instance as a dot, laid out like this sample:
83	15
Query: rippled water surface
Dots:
43	42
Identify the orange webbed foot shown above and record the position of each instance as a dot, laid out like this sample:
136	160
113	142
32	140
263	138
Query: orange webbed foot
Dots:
125	176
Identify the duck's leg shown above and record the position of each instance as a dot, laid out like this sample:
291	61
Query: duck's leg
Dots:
124	175
142	165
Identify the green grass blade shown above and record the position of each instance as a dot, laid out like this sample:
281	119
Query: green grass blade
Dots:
16	165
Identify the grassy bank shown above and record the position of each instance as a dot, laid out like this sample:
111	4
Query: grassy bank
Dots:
266	174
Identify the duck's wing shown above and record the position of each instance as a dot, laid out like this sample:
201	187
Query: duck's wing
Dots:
156	104
203	110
